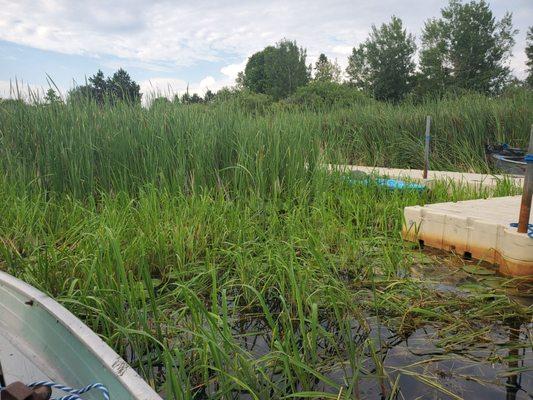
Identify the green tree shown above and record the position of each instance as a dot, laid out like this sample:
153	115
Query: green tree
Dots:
319	95
277	70
383	64
51	97
186	97
435	72
80	93
358	70
99	87
327	71
466	48
195	99
209	96
255	77
121	87
529	54
239	81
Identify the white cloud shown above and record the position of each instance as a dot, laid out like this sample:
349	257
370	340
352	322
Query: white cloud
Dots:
20	89
232	70
168	87
207	83
160	35
342	50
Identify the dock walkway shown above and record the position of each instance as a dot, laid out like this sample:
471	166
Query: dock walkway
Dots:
416	175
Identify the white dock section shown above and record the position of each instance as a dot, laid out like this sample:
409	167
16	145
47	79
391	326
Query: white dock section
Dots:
416	175
475	228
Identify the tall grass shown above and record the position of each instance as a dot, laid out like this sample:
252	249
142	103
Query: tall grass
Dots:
206	246
183	285
81	149
84	148
392	135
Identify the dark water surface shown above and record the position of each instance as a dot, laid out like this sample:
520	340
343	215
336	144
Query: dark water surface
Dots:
499	368
431	362
417	361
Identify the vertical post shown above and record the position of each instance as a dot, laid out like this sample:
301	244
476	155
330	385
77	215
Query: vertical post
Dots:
426	148
525	205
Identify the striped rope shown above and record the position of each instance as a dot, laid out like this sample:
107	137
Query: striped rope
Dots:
74	393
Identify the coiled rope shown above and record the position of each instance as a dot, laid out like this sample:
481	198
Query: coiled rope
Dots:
74	393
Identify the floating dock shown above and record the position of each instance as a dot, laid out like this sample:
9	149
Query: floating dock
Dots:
465	178
477	229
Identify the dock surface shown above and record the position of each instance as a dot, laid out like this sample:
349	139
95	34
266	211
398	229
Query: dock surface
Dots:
417	175
478	229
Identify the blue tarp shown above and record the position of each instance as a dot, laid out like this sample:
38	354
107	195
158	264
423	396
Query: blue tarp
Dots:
398	184
394	184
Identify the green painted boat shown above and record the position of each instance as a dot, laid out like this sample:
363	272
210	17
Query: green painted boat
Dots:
41	340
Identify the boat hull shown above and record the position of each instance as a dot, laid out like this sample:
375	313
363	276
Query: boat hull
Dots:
41	340
509	165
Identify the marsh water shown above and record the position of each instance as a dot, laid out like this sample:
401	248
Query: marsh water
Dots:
500	370
429	362
500	367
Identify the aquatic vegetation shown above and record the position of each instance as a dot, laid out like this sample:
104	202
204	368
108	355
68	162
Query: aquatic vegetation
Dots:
208	247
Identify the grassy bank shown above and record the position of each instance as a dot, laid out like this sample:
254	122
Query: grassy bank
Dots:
203	244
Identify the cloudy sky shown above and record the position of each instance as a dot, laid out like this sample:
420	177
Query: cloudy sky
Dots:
167	45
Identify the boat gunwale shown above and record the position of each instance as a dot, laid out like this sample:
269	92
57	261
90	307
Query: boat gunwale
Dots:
109	359
510	159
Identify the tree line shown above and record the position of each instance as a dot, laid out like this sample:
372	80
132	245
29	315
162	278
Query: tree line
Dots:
465	49
119	87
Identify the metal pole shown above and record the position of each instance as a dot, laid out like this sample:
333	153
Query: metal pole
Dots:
525	205
426	148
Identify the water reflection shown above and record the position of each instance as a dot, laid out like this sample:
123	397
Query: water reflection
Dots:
513	382
418	366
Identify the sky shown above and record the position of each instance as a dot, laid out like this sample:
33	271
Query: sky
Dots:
167	46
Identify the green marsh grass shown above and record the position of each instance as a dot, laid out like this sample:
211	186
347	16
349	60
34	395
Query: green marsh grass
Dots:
82	149
209	249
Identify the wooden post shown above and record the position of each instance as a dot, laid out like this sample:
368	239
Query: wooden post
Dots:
525	205
426	148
